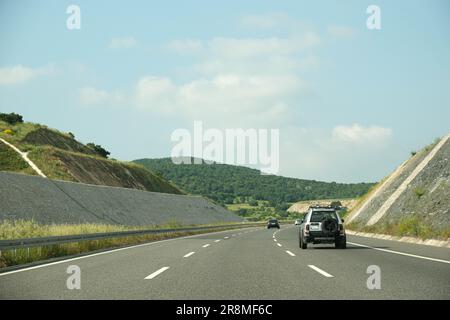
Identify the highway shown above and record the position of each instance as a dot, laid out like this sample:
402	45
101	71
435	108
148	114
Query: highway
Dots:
252	263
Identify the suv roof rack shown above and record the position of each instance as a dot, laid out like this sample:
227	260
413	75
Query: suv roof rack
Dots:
317	206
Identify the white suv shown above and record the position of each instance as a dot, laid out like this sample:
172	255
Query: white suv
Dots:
322	225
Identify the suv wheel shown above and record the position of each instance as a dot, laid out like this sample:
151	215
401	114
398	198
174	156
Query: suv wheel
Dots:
302	244
341	243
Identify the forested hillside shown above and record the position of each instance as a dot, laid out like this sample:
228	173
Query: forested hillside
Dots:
227	183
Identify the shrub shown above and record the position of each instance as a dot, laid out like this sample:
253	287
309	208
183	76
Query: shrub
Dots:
419	191
413	153
336	204
414	226
242	212
71	135
253	203
99	149
11	118
9	131
282	206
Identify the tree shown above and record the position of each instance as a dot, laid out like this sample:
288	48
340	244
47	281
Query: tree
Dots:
99	149
11	118
336	204
282	206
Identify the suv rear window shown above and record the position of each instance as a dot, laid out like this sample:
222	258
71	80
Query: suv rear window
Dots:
273	221
318	216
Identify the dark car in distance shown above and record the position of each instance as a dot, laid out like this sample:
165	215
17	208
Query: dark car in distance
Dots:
273	223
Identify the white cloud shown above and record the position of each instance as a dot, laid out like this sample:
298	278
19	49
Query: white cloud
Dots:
343	153
242	48
250	56
21	74
271	20
156	94
93	96
267	21
359	134
122	43
253	77
247	48
341	32
187	46
220	98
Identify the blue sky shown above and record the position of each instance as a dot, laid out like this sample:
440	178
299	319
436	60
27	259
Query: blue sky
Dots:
350	103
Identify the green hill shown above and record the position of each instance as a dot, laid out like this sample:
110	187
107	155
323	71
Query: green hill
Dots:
228	183
60	156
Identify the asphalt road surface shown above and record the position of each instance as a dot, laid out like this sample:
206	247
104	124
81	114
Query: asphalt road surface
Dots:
251	263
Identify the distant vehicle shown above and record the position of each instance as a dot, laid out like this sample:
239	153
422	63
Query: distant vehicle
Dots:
298	222
322	225
273	223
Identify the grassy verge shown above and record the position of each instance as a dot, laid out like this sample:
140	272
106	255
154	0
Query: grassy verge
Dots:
11	161
43	157
30	229
411	226
20	130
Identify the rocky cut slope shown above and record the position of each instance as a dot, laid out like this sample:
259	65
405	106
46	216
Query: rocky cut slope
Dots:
47	201
414	200
60	156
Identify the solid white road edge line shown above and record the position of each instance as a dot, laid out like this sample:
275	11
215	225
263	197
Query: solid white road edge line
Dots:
189	254
290	253
326	274
400	253
154	274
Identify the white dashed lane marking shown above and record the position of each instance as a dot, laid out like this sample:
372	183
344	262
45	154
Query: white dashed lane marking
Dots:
290	253
189	254
206	245
326	274
156	273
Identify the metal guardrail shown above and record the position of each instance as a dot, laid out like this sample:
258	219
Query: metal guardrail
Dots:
54	240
